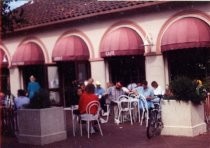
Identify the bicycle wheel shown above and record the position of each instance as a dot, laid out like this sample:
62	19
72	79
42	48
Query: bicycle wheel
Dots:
151	129
159	127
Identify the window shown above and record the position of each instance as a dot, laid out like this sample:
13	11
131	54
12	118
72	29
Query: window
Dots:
193	63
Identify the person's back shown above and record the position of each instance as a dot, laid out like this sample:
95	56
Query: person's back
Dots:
21	101
86	98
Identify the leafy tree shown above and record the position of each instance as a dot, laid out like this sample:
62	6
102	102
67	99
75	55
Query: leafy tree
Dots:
9	17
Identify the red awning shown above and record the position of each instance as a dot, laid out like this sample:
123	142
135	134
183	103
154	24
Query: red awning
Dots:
28	54
120	42
186	33
69	49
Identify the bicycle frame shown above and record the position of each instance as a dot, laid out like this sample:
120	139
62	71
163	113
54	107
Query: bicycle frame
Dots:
155	124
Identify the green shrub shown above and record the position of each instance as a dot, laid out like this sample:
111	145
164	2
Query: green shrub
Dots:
206	83
184	89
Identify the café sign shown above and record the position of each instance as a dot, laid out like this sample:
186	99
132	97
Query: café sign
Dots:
109	53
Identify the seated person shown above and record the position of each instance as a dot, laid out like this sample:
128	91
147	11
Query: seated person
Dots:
113	93
157	91
99	91
147	92
21	101
131	86
87	97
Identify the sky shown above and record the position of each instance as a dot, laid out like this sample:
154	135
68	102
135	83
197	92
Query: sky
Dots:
17	3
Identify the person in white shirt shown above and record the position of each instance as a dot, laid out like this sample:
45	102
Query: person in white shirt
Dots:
157	91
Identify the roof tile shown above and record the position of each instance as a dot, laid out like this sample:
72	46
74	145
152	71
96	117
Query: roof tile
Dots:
42	12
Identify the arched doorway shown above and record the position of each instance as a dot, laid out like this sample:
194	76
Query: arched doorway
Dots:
123	50
29	58
71	54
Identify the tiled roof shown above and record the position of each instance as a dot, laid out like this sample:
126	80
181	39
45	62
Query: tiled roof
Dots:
46	12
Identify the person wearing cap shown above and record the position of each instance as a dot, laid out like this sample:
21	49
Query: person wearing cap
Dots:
99	91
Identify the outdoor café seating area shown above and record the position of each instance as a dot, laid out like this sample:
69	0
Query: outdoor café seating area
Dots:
125	109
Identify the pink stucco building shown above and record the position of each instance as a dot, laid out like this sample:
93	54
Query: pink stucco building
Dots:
62	41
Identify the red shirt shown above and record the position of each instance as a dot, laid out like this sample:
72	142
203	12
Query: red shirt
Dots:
84	100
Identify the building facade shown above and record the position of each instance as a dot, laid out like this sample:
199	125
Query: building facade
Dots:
108	41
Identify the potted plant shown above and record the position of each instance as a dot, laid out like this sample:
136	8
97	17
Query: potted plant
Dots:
39	123
183	114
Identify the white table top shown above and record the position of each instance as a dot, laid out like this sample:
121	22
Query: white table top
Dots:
73	107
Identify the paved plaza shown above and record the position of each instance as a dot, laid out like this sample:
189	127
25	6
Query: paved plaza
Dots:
117	136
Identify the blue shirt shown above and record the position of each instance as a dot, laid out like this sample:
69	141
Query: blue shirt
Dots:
21	101
99	91
33	87
148	92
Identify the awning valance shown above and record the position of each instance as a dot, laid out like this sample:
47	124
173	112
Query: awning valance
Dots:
186	33
28	54
70	48
120	42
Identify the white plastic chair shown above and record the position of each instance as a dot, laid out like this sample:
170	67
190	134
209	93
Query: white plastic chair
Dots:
124	105
134	100
107	113
145	111
74	117
88	117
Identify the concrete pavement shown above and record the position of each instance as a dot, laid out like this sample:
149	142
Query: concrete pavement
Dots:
118	136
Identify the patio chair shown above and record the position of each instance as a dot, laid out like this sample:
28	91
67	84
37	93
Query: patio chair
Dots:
134	100
88	117
106	114
124	106
145	111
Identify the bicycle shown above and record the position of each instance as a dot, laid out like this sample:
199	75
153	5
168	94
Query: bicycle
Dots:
155	123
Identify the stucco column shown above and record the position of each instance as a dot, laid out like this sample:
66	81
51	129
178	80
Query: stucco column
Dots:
154	66
98	71
15	80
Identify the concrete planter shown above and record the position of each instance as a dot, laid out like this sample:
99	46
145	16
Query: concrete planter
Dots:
182	118
41	126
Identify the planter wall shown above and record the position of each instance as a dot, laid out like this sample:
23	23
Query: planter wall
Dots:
182	118
41	126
